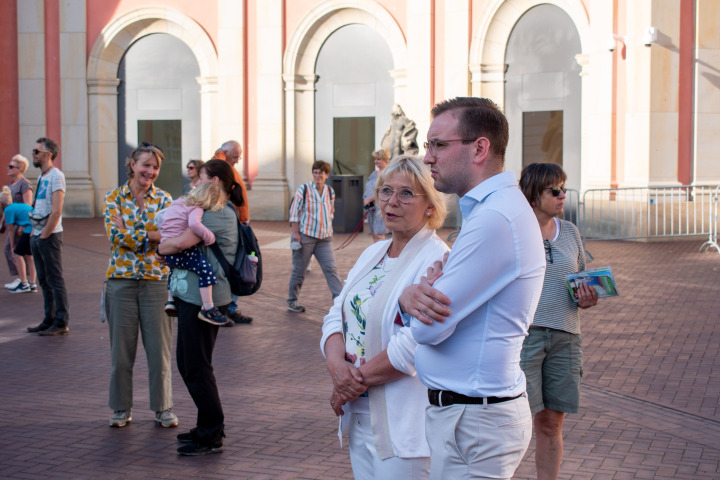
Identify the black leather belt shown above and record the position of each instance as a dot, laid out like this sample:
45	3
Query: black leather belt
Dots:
443	398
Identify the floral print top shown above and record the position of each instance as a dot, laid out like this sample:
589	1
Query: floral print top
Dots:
356	309
131	254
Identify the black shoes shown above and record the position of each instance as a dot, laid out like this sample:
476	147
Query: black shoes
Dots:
186	437
238	317
53	331
193	448
40	328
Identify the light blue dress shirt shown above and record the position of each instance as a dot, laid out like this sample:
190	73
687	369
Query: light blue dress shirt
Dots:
493	277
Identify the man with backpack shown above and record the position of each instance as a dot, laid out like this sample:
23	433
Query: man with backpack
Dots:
311	216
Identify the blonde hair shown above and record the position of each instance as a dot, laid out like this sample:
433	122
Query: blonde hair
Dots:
21	161
208	196
382	154
419	174
5	196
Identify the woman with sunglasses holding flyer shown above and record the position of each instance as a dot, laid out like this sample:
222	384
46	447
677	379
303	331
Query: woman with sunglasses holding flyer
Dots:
552	352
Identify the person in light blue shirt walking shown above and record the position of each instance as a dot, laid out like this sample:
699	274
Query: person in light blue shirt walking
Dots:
470	319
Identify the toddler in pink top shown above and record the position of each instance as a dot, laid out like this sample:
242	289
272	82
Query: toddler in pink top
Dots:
186	212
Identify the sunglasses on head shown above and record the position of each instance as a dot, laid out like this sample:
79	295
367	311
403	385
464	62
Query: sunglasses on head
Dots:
148	144
556	190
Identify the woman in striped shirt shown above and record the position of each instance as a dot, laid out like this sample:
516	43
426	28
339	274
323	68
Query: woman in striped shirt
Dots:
552	352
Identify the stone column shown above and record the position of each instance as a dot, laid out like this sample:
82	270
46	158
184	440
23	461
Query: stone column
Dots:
456	48
79	197
208	110
299	133
31	77
419	70
231	58
103	140
269	194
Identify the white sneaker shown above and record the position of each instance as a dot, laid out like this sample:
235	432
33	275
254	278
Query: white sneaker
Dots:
166	418
121	418
12	284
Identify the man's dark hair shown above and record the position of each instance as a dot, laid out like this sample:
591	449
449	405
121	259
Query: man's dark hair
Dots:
538	176
321	165
49	145
479	117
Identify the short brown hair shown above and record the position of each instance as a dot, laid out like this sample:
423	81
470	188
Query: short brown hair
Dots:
479	117
321	165
195	163
135	154
538	176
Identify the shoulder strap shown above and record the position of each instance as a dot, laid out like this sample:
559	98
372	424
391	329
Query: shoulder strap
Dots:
215	248
36	191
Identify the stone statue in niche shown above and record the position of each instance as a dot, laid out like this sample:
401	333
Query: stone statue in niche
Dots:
401	136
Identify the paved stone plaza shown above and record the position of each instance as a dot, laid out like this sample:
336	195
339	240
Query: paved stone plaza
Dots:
650	405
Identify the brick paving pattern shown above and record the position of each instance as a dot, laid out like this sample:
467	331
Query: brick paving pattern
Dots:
650	405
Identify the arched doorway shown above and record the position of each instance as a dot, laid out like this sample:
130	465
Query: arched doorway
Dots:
102	70
159	103
543	91
353	98
299	73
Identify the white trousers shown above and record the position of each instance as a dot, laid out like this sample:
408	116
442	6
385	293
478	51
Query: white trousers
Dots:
364	458
478	441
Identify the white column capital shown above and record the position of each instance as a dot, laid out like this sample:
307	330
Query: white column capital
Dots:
208	84
399	77
583	59
299	83
484	73
103	86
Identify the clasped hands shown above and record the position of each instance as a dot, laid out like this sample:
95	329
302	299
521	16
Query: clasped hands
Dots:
347	384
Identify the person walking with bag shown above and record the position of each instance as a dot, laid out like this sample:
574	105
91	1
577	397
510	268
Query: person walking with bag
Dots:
311	216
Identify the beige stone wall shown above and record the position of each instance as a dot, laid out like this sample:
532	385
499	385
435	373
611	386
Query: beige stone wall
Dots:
707	87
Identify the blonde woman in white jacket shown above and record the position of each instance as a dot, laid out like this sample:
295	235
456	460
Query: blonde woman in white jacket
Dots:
370	355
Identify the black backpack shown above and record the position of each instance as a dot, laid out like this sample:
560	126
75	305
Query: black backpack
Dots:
245	276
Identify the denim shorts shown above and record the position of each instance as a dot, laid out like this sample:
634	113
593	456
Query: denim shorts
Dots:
552	362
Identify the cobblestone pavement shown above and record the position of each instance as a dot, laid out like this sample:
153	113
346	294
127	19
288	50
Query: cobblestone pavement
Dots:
650	404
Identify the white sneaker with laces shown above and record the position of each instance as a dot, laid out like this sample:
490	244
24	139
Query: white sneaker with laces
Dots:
166	418
121	418
12	284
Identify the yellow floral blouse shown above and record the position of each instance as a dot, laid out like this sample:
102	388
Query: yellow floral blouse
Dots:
131	254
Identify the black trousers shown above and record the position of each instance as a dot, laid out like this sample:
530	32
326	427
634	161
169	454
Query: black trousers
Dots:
195	344
47	255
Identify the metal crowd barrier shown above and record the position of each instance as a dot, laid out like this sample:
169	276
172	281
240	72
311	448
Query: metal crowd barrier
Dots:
712	237
649	212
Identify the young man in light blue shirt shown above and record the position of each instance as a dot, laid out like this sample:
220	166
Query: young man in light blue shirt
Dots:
471	321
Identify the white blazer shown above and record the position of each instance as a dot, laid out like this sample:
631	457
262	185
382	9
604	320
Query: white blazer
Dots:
406	397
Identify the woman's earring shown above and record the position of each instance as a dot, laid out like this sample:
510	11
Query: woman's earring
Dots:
427	213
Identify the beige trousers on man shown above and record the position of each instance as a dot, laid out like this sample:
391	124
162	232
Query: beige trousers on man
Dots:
478	441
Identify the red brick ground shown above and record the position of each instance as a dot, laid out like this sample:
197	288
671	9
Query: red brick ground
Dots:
650	405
